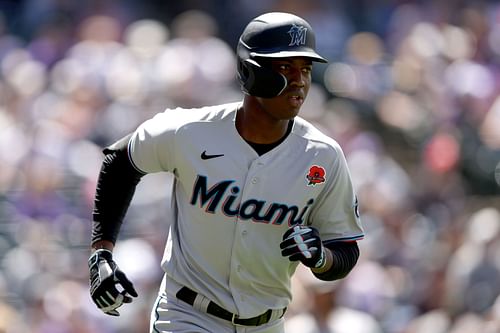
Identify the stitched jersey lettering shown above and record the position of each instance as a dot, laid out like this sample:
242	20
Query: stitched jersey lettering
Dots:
222	196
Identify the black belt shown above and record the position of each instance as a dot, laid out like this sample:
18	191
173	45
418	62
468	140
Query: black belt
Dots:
187	295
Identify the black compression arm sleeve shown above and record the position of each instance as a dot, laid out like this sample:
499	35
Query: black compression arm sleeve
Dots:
115	188
345	256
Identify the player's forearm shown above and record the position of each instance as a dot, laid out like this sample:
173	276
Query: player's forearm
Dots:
328	263
115	189
341	258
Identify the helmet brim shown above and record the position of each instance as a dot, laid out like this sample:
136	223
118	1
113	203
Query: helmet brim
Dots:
289	54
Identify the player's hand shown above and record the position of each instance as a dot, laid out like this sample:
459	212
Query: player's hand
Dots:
303	243
105	277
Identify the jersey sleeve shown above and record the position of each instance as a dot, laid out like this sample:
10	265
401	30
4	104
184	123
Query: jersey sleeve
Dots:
152	146
336	214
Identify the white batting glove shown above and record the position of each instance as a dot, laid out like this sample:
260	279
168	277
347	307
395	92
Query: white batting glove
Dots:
104	278
303	243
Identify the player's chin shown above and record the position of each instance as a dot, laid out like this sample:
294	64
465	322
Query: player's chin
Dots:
291	113
293	109
286	107
292	103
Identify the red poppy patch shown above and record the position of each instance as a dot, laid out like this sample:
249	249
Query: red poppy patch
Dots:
316	175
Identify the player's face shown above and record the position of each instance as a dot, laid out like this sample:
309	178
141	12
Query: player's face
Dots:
297	71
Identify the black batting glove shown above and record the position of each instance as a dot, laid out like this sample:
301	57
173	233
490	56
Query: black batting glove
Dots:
105	276
303	243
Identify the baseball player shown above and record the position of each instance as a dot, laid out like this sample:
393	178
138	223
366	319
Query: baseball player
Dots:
257	191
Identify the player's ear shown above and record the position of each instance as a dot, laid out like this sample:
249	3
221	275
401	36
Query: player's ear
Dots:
261	81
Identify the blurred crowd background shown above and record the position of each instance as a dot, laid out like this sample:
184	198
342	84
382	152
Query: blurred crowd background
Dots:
411	94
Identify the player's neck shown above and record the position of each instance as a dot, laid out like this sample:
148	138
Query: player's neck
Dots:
262	148
256	126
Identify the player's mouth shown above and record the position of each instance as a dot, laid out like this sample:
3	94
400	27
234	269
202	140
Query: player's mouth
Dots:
296	99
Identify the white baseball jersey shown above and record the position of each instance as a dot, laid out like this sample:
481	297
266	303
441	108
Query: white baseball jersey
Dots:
233	206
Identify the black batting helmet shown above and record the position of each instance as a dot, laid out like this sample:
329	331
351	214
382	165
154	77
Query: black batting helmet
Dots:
270	36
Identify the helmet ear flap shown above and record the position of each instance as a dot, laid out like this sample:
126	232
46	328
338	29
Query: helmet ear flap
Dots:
260	81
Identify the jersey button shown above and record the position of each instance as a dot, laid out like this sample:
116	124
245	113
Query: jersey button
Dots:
255	180
244	232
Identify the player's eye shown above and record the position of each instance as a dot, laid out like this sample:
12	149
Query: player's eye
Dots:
307	69
284	67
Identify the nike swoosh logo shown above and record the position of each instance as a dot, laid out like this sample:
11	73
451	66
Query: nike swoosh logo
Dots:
204	155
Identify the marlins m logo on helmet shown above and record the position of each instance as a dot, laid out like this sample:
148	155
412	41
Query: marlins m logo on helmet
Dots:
297	35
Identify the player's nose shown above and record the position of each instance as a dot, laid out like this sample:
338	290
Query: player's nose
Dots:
297	78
